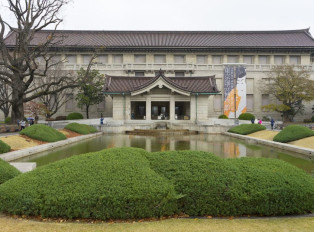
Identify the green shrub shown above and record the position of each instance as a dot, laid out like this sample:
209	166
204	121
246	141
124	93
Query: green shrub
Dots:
7	120
245	129
292	133
80	128
223	187
43	133
4	147
246	116
272	187
73	116
223	116
7	171
307	120
109	184
312	118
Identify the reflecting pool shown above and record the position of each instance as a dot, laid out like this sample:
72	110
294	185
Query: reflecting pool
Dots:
220	145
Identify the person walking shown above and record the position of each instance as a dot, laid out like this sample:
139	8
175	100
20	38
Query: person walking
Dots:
22	123
260	121
252	120
272	123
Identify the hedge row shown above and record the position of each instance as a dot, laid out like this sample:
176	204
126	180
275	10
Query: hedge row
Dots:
43	133
292	133
4	147
246	116
245	129
80	128
7	171
73	116
123	183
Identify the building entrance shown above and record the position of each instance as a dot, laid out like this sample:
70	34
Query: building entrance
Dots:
160	110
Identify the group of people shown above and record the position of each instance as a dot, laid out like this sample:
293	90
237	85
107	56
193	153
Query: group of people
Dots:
259	121
22	124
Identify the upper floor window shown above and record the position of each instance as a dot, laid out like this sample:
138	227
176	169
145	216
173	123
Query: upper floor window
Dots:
160	59
201	59
102	59
217	59
263	59
233	59
295	60
248	59
279	60
179	59
71	59
179	74
86	59
139	59
139	73
117	59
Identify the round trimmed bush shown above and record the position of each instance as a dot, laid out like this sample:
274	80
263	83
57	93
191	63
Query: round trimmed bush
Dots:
245	129
246	116
80	128
7	171
292	133
7	120
73	116
223	116
113	183
43	133
4	147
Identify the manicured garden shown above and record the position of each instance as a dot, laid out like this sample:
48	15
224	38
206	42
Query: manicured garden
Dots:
43	133
4	147
126	183
81	128
245	129
292	133
7	171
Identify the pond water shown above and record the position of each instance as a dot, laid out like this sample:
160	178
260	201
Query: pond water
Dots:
220	145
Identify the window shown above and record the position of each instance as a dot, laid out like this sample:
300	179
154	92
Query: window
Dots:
69	103
248	59
86	59
295	60
139	73
201	59
179	74
265	99
139	59
102	59
279	60
71	59
217	103
160	59
117	59
217	59
263	59
249	102
179	59
233	59
56	59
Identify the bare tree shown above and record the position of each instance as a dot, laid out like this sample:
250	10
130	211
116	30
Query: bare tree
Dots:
20	57
4	98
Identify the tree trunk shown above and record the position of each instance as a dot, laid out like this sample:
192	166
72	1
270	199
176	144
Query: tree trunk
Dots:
17	105
87	111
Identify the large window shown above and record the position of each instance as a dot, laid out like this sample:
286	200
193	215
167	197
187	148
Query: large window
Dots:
139	73
263	59
217	102
179	74
248	59
179	59
279	60
233	59
71	59
217	59
160	59
139	59
69	105
249	102
102	59
265	99
160	110
295	60
182	110
138	110
201	59
117	59
86	59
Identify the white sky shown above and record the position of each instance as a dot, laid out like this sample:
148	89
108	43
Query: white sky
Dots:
187	14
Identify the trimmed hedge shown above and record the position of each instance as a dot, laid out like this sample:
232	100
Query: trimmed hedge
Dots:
80	128
114	183
43	133
245	129
223	116
73	116
7	120
246	116
125	183
292	133
4	147
7	171
61	118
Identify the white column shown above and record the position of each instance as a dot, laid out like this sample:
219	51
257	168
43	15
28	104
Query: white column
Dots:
148	108
172	108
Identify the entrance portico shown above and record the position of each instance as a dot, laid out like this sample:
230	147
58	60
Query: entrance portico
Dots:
160	97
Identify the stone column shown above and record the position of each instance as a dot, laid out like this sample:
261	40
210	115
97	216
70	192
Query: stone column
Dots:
172	108
148	108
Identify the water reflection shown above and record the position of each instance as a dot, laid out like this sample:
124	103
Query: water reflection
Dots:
219	145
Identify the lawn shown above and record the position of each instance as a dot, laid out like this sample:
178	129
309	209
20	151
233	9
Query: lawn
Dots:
174	225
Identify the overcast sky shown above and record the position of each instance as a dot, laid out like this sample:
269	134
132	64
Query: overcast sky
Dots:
188	15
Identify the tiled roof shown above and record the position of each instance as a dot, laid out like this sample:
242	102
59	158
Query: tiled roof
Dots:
126	84
177	39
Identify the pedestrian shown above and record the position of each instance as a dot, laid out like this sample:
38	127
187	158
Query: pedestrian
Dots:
256	121
260	121
272	123
252	120
22	123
